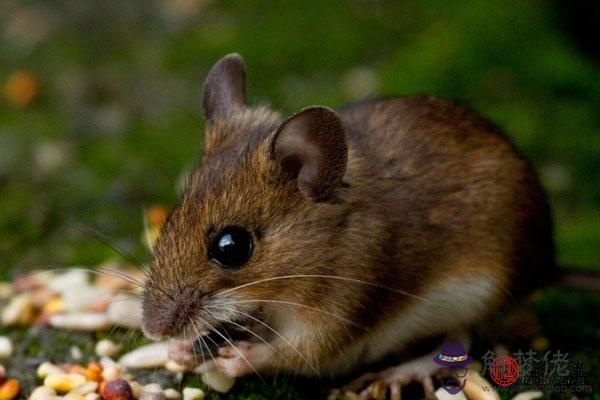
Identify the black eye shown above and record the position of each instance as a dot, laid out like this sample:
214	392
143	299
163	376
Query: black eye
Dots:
231	247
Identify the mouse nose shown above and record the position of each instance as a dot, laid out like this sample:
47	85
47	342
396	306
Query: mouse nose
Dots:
169	314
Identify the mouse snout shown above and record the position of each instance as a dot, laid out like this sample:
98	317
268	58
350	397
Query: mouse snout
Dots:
170	313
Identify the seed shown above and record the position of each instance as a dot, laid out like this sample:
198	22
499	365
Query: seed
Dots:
86	388
22	88
117	389
125	310
136	389
76	369
193	394
53	306
6	347
9	389
149	356
93	372
377	390
64	382
76	353
73	396
47	368
157	214
172	394
19	311
80	321
152	392
42	393
217	381
111	373
175	367
107	348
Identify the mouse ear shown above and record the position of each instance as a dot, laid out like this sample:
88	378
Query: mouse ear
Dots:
224	88
311	147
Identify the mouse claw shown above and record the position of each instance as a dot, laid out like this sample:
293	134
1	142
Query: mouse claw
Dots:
375	385
233	351
182	352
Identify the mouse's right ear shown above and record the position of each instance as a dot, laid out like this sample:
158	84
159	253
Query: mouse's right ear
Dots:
310	146
224	88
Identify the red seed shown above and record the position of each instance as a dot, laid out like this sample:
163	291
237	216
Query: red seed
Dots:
117	389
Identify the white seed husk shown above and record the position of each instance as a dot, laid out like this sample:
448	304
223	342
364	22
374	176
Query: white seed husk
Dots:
149	356
80	321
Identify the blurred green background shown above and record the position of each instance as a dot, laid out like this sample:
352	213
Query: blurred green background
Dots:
100	108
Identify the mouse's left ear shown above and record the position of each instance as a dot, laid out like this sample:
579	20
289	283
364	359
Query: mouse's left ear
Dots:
310	146
225	87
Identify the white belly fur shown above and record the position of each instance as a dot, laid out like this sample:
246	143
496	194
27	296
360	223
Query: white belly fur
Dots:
447	307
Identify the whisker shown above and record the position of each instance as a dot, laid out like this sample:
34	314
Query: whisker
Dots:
233	346
97	271
102	238
278	335
254	334
333	315
193	345
322	276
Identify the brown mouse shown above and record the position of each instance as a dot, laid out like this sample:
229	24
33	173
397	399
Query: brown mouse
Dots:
340	237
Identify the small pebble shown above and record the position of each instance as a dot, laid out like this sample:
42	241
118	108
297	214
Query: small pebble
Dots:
107	348
6	347
193	394
64	382
218	381
47	368
42	393
76	353
149	356
10	389
172	394
117	389
80	321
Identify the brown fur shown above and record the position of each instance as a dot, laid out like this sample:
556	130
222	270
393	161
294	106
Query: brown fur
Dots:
431	191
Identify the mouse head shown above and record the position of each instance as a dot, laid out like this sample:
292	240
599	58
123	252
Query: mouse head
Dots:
266	203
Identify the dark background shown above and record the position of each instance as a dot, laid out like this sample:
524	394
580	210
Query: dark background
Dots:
100	113
116	120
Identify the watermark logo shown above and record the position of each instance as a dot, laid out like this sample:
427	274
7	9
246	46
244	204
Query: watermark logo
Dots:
504	371
551	371
453	360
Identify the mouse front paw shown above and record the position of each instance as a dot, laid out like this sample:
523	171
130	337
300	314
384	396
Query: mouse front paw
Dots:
242	358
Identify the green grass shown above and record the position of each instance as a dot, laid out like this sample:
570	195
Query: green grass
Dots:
121	92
